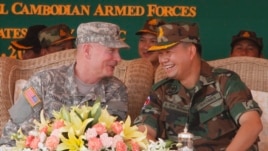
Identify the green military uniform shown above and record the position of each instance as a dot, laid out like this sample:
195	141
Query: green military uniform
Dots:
50	90
211	109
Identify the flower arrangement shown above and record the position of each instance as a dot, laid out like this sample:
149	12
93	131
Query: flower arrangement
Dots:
82	128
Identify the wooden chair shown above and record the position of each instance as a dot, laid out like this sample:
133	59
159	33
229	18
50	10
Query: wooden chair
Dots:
253	71
137	74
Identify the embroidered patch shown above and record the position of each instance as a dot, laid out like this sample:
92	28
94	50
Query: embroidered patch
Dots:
31	96
147	101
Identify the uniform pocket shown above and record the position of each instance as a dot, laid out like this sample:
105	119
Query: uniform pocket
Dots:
174	113
209	113
215	120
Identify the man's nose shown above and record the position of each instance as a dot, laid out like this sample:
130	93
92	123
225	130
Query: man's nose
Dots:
244	52
117	56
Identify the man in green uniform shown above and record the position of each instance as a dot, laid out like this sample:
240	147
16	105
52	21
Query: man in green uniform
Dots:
246	43
212	103
147	38
56	38
29	46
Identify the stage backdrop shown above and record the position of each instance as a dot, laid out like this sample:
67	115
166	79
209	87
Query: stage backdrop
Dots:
218	20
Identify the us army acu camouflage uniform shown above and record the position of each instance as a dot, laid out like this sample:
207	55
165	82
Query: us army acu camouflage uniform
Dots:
106	34
212	108
56	88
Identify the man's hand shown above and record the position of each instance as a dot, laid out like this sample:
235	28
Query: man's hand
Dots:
151	133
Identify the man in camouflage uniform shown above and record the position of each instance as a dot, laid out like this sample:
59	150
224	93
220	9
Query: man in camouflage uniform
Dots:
29	45
90	77
246	43
55	38
213	104
148	38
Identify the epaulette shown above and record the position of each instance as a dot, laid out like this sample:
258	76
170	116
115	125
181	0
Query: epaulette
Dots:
158	84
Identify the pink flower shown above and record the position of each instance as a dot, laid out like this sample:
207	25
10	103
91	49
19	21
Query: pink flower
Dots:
100	128
116	138
29	140
56	132
121	146
42	137
106	140
135	146
58	124
91	132
94	144
117	127
44	129
34	143
52	142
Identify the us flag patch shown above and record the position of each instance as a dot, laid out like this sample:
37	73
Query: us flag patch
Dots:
31	96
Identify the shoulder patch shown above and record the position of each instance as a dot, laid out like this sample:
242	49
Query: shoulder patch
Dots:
31	96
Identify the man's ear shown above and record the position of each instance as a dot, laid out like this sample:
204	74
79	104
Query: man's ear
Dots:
193	51
86	48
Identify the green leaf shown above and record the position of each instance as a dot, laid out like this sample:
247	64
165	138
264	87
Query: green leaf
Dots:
95	112
65	114
96	116
95	107
78	115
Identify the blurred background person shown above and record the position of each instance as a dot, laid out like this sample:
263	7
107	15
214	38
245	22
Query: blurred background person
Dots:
246	43
148	38
30	44
56	38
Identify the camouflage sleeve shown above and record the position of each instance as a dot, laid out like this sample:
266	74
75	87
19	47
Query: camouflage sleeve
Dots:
11	128
17	119
117	98
238	97
8	130
150	112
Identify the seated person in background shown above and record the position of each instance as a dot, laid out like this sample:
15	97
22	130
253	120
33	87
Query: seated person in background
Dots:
56	38
246	43
88	78
212	103
30	43
147	39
